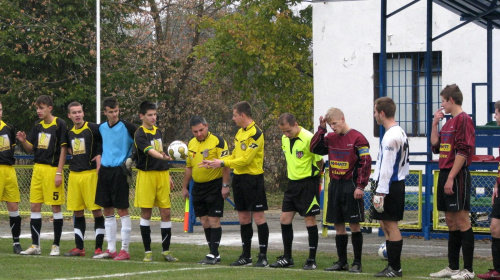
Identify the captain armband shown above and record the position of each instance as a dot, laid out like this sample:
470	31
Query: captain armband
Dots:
364	151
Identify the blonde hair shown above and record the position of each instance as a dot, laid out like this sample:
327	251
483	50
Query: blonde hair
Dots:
333	113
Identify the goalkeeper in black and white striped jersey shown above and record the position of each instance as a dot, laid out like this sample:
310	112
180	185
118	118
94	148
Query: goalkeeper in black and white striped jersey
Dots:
390	172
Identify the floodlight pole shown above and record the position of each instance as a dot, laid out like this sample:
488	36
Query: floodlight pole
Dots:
98	66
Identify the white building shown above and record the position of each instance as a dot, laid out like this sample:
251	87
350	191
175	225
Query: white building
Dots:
346	44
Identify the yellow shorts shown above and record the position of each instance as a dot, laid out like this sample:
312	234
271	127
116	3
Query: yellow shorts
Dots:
9	189
81	190
43	186
152	188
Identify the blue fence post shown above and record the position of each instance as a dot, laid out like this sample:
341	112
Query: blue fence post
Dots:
192	217
426	216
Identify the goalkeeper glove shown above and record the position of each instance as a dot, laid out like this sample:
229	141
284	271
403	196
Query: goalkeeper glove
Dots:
378	202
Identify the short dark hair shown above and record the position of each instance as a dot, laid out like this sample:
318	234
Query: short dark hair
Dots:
74	104
110	102
45	100
145	106
386	105
287	118
497	105
196	120
454	92
243	107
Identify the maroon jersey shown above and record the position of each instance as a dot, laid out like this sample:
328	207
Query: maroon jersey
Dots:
348	155
498	174
457	137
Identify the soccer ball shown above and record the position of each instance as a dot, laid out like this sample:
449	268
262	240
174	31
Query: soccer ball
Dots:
178	150
382	251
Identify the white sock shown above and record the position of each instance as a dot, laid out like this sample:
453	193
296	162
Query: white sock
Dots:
57	215
100	231
126	229
110	227
14	213
144	222
166	224
36	215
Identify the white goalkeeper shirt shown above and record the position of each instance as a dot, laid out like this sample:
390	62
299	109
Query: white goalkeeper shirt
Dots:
393	159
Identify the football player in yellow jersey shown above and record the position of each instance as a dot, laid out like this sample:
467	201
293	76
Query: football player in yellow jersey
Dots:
47	140
247	162
85	145
153	183
9	188
210	186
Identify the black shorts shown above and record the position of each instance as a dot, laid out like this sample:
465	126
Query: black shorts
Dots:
460	199
342	206
249	192
495	209
302	196
112	188
394	203
207	199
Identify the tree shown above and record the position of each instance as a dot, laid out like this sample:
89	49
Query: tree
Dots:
262	52
189	56
156	62
46	47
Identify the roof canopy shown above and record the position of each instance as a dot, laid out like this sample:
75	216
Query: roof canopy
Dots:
483	10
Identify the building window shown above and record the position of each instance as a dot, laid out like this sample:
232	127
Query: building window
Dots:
406	85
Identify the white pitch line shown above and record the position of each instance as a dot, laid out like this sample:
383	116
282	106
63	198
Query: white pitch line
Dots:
135	273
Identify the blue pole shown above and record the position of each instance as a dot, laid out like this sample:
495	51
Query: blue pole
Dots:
192	217
383	56
489	53
426	217
428	78
427	209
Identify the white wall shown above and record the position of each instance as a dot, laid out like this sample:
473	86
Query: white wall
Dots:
347	34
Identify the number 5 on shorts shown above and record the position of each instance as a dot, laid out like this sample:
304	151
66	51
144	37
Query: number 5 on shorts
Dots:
55	195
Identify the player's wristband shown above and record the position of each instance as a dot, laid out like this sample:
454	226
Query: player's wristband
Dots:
360	188
222	163
58	173
224	185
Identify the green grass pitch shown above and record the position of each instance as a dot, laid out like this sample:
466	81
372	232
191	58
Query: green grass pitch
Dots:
46	267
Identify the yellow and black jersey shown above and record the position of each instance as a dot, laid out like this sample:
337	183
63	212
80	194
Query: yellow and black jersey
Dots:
248	153
86	144
213	147
145	140
7	143
47	140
